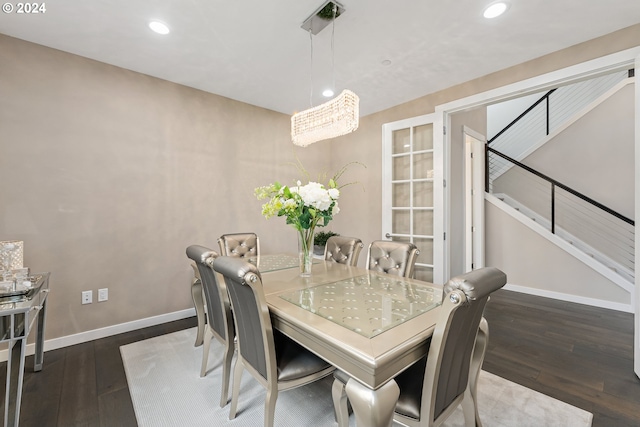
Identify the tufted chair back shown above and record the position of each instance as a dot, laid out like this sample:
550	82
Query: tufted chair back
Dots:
431	389
396	258
343	250
240	245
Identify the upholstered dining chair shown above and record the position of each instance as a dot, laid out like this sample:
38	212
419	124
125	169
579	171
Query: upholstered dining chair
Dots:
343	250
275	361
241	245
391	257
432	388
219	318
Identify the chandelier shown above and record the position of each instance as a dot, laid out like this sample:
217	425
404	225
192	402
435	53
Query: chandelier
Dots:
336	117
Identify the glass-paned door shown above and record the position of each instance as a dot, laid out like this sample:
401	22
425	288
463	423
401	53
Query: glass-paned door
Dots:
409	205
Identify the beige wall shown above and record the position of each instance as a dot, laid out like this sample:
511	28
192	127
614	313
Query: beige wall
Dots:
107	175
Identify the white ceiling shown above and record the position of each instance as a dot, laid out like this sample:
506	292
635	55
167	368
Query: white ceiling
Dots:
255	51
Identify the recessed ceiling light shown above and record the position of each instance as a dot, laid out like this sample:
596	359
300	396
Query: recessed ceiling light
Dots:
495	9
327	93
386	62
159	27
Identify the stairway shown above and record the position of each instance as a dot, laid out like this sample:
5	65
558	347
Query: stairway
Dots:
604	236
597	256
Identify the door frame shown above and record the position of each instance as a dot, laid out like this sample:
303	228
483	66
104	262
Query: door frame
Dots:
636	338
589	69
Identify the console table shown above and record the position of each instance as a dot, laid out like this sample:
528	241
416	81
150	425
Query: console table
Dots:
17	316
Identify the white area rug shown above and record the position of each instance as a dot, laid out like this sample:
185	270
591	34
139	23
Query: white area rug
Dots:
166	390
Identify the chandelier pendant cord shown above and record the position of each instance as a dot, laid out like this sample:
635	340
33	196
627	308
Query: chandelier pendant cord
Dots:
333	53
311	71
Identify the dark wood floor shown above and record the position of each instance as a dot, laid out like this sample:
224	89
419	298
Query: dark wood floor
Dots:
578	354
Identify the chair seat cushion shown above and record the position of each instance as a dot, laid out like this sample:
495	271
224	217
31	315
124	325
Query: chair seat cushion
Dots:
295	361
410	383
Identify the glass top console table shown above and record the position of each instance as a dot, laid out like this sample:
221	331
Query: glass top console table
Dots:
20	307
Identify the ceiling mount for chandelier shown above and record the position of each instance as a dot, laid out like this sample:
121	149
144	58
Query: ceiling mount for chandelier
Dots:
336	117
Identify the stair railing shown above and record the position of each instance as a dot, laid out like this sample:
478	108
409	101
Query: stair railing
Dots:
618	238
544	98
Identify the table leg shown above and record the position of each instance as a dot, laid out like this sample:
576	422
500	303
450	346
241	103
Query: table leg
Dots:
373	408
38	356
198	302
15	376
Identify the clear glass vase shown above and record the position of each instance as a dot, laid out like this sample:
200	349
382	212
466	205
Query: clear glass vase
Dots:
305	251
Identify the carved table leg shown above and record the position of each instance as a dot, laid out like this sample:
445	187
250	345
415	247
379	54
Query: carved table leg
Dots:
373	408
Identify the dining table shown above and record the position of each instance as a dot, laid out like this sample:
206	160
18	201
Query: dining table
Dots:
370	325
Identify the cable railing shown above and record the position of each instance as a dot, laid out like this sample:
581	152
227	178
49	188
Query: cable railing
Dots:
598	230
546	115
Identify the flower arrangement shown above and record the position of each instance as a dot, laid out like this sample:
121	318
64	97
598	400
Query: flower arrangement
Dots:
304	207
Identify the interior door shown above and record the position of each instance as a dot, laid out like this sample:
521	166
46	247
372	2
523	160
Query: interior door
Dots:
474	144
410	194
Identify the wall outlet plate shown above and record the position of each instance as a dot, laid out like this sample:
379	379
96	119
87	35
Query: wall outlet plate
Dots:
87	297
103	294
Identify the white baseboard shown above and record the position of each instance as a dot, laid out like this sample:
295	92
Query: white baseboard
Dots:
627	308
108	331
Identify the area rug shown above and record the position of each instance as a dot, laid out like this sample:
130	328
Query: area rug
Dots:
167	391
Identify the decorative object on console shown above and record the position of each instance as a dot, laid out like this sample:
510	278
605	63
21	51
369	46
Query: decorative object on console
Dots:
11	258
336	117
15	251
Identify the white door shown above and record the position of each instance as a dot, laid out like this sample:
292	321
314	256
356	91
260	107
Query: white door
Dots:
410	192
474	147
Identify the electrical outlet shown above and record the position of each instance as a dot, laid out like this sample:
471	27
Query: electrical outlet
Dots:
87	297
103	294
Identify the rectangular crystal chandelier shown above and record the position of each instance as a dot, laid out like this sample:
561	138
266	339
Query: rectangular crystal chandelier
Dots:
333	118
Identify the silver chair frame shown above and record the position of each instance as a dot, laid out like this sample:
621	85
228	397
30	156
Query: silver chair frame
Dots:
219	324
239	273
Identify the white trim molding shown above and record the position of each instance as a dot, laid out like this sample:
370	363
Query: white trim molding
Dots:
570	298
82	337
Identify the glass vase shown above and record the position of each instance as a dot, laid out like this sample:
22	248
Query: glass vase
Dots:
305	251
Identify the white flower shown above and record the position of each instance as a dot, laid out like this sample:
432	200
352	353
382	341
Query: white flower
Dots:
335	209
334	193
314	194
